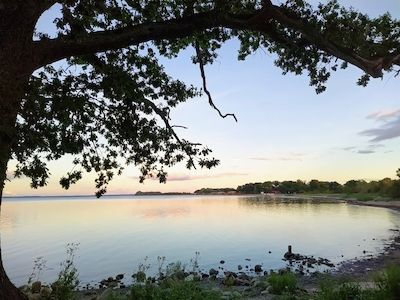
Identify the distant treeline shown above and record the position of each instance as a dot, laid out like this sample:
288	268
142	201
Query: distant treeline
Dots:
384	187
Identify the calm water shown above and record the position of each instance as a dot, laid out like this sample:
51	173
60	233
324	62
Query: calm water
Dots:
117	233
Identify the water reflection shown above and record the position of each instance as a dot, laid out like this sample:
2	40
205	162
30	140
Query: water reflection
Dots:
117	233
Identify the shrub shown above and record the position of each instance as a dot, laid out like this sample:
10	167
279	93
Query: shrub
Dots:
282	283
348	291
175	271
63	288
395	191
38	265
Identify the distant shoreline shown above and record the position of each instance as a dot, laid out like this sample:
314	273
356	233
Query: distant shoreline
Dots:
346	197
63	196
389	204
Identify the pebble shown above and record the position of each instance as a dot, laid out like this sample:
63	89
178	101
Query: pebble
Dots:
213	272
119	277
36	287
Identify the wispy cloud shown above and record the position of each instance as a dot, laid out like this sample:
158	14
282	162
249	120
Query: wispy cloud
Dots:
376	146
365	151
9	193
348	148
184	177
187	177
369	149
389	129
283	157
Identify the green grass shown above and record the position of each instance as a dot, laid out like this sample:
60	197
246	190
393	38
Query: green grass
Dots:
366	196
180	290
344	291
389	282
283	286
387	288
355	196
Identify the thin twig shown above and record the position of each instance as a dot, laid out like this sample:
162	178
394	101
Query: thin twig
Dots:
179	126
162	115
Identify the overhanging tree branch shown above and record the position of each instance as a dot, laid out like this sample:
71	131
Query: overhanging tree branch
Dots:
373	66
370	65
48	51
51	50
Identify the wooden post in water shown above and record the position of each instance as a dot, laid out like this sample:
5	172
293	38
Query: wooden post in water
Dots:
288	254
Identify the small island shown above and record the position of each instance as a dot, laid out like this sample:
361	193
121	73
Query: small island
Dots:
140	193
216	191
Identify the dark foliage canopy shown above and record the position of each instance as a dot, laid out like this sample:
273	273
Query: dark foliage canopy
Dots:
108	104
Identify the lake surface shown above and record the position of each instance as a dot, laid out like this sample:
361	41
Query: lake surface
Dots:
117	233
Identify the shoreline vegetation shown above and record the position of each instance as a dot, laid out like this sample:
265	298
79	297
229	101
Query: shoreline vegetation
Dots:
180	281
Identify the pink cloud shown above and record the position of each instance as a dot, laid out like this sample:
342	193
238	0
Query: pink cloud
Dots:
187	177
384	115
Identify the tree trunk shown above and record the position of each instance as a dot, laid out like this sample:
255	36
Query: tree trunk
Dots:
8	110
11	93
16	28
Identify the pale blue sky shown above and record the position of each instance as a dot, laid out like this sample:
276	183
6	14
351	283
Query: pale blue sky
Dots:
284	130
